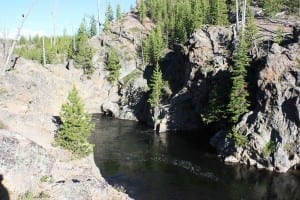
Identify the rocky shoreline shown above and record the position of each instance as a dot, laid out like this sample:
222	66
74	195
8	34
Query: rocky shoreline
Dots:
30	99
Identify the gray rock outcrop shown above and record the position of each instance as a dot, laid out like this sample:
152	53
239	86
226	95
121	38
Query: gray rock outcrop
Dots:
206	65
276	119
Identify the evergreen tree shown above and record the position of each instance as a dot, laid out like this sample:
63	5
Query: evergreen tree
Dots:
238	104
216	108
109	13
76	128
118	12
113	66
154	46
109	17
271	7
93	27
251	29
83	54
156	86
218	12
142	11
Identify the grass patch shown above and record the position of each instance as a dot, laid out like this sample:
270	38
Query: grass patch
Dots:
269	148
2	91
46	178
2	125
27	196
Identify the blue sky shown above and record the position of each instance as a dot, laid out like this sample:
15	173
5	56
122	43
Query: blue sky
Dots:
67	14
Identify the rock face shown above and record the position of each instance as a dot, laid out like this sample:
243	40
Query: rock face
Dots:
273	128
22	162
206	65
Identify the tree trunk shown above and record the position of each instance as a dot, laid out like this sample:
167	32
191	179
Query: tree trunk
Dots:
244	16
237	15
44	52
98	9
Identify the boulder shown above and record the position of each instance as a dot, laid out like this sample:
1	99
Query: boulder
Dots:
110	108
22	163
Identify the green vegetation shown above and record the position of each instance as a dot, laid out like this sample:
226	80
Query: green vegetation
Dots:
2	125
218	12
93	27
27	196
113	66
32	48
271	7
178	19
133	75
156	86
154	46
109	17
118	12
82	53
269	148
216	109
46	178
279	35
238	104
76	128
2	91
43	195
239	139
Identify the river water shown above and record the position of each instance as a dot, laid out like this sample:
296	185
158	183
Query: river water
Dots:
178	166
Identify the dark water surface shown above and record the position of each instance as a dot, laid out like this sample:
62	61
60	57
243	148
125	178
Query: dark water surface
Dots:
178	167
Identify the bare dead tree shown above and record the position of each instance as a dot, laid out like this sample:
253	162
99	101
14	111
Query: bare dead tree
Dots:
24	17
244	16
237	15
98	10
44	51
4	42
53	15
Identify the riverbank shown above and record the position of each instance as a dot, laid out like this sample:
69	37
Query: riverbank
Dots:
31	96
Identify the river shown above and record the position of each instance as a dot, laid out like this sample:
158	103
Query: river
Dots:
178	166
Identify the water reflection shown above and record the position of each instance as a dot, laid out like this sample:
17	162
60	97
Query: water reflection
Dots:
179	166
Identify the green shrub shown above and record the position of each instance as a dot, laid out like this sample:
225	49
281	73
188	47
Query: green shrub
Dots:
27	196
238	138
76	128
113	66
2	126
269	148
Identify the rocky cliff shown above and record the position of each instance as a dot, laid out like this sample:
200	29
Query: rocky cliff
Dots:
273	127
30	100
201	68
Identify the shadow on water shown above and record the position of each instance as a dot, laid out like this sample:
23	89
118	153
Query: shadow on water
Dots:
3	191
178	166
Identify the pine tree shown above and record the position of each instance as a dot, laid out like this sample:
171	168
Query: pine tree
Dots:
83	54
239	104
93	27
113	66
251	29
109	17
218	12
142	11
156	86
216	108
154	46
272	6
77	126
118	12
